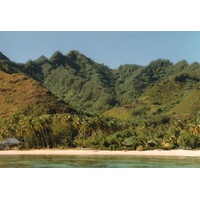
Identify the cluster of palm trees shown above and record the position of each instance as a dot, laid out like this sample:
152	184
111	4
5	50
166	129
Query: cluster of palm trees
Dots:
58	130
70	130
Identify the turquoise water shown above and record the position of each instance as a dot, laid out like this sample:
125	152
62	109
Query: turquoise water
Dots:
66	161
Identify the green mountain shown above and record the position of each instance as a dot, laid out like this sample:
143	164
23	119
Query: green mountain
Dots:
165	90
131	107
73	78
130	91
3	57
20	93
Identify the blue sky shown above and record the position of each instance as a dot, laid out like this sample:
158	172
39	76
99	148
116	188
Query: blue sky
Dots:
112	48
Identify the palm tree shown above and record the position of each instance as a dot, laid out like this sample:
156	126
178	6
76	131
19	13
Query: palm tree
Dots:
194	127
38	128
68	121
45	121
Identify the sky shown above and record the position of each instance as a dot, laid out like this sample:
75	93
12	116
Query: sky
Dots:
112	48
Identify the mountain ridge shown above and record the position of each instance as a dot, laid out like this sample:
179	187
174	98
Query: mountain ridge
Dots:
3	57
94	88
18	92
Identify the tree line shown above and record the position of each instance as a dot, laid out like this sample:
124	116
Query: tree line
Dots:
99	132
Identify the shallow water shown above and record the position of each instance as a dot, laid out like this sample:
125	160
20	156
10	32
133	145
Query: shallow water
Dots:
69	161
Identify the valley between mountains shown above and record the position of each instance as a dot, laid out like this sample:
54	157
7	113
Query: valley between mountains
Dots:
79	102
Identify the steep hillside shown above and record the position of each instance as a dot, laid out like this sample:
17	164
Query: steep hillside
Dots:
79	81
82	83
20	92
176	95
141	92
133	80
159	103
3	57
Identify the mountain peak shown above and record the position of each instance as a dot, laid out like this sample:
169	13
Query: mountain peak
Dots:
74	55
3	57
58	58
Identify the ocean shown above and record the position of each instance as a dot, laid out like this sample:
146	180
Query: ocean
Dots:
97	161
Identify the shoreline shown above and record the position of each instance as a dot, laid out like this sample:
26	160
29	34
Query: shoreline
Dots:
178	152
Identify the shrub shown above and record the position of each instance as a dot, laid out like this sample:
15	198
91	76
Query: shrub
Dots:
187	140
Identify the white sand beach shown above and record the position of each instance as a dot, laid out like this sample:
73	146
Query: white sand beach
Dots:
98	152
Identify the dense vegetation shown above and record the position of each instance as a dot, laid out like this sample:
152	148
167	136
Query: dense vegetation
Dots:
130	107
38	130
18	92
94	88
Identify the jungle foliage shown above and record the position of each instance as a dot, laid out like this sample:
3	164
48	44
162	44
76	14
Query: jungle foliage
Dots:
130	107
94	88
63	131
